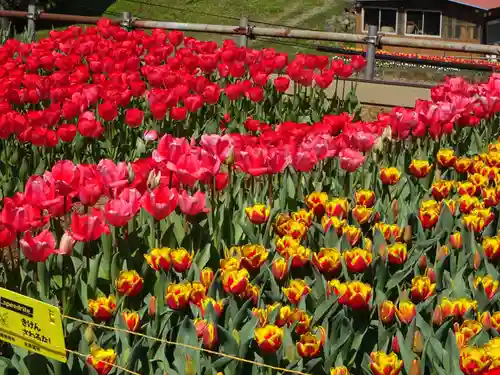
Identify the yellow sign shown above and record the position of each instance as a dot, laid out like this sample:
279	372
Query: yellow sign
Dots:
31	324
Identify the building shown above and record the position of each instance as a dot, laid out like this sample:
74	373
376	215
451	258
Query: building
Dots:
471	21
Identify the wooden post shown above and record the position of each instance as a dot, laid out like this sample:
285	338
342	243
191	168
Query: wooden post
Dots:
4	26
126	22
243	42
32	13
371	50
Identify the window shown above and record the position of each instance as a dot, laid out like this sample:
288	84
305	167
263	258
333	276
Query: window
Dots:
385	19
420	22
454	29
476	33
493	32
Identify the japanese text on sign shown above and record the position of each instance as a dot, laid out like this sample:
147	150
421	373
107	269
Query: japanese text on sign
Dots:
31	324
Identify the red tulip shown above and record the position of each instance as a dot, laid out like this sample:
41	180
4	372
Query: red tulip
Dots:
88	126
281	83
175	37
350	160
66	176
88	227
178	113
160	202
7	235
193	103
134	117
38	249
256	94
20	215
108	111
192	205
66	132
358	63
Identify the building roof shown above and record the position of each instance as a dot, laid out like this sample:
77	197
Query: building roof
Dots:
479	4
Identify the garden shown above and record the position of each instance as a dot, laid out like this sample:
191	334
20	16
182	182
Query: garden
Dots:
200	209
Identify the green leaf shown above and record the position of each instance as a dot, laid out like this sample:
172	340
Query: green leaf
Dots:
322	310
406	352
94	271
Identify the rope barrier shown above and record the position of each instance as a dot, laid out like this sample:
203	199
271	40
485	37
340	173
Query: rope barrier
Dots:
186	346
106	363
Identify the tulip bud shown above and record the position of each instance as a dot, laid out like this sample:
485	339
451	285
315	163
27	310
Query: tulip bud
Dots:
206	276
66	244
153	180
189	367
437	316
415	367
131	173
485	319
395	209
395	345
442	252
152	307
387	311
422	263
431	274
89	335
418	345
477	260
407	235
230	158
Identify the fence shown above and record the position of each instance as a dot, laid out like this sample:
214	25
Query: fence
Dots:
246	31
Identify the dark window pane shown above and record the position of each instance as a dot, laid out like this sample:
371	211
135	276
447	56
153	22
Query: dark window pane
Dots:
458	31
371	18
493	32
476	35
432	23
414	22
388	20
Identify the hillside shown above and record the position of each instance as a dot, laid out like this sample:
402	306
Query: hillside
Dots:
314	14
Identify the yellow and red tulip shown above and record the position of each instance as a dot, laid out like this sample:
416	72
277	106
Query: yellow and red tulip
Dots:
489	284
327	261
316	202
339	370
218	306
474	361
206	277
390	176
258	214
386	312
302	320
269	338
362	214
456	240
364	198
131	320
309	346
284	243
406	311
300	256
428	213
102	360
358	260
235	281
129	283
385	364
253	256
337	224
441	189
159	259
467	188
463	164
252	292
284	315
338	207
419	168
303	216
352	233
355	294
467	203
198	292
445	157
178	295
296	290
279	269
102	308
491	247
422	288
207	331
181	259
397	253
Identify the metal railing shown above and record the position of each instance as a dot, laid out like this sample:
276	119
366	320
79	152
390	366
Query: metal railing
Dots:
373	40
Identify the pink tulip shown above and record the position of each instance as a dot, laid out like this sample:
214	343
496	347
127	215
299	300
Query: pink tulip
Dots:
38	249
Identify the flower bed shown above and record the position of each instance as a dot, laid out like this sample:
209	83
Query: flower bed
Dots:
324	246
